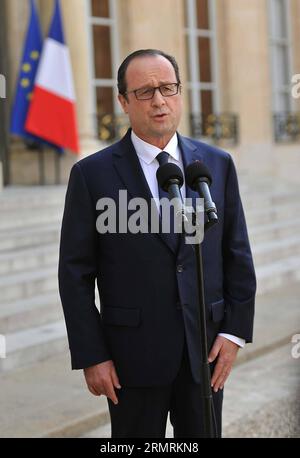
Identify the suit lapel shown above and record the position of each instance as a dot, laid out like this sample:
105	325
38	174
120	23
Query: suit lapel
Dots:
189	153
130	171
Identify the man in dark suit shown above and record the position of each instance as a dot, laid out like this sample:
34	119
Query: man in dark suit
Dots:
142	349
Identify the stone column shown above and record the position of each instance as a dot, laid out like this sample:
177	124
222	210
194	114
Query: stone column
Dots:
247	79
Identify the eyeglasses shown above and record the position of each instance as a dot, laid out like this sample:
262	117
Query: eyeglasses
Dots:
147	93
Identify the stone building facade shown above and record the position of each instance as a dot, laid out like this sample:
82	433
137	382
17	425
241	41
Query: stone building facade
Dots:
237	60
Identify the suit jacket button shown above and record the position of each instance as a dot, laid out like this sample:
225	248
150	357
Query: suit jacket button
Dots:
179	268
178	305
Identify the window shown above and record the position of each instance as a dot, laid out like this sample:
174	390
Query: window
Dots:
280	51
105	55
200	34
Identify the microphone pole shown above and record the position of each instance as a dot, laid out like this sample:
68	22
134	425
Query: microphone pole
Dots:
198	178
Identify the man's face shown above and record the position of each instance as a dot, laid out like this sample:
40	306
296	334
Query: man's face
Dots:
156	120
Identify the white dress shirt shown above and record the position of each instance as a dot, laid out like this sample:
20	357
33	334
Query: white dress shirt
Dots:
147	156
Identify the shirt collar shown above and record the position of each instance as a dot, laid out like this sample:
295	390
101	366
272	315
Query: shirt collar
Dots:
148	152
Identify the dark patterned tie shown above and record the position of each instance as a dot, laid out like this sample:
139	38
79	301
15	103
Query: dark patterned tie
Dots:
162	159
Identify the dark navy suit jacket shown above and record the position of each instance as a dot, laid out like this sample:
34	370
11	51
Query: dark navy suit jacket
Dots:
148	293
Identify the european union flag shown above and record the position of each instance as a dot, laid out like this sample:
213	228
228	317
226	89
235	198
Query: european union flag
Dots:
30	59
25	83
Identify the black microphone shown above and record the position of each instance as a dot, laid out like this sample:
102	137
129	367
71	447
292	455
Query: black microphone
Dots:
170	179
199	179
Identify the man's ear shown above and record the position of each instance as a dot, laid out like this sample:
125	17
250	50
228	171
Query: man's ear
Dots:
123	101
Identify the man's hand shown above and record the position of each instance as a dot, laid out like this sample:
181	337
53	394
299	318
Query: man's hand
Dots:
226	352
102	379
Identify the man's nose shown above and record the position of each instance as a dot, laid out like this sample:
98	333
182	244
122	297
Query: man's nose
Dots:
158	99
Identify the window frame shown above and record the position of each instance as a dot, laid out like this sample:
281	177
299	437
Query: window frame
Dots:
277	89
192	33
112	23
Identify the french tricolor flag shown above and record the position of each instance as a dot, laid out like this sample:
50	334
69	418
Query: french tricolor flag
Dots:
52	112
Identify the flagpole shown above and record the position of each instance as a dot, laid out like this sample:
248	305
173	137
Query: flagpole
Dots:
4	127
41	160
57	164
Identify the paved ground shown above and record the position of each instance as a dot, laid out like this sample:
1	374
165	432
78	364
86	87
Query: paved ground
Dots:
48	400
261	399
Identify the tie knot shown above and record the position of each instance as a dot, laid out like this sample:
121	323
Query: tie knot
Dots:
162	157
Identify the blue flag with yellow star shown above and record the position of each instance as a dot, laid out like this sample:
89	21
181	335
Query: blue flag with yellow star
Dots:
29	64
25	82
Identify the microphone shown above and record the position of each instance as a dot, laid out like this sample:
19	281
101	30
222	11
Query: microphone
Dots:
199	179
170	179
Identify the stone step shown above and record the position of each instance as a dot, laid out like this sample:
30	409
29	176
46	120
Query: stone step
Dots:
262	183
31	312
30	199
275	250
27	297
41	196
47	255
28	259
14	199
253	198
23	218
260	216
19	238
31	206
271	272
276	230
24	285
44	234
47	207
31	345
277	274
34	234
